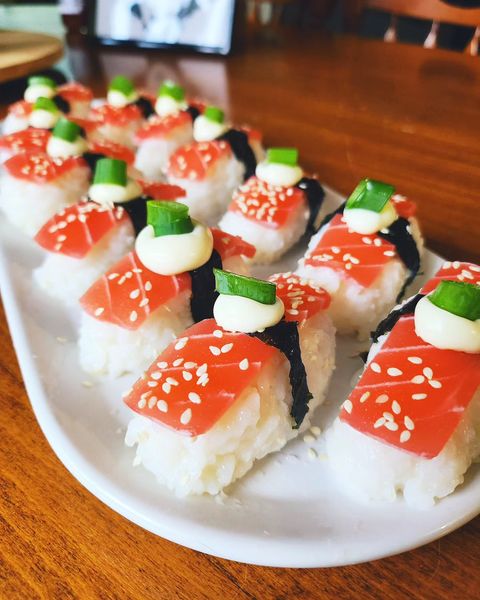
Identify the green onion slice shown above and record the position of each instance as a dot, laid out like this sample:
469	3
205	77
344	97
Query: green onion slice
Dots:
40	80
232	284
214	114
370	195
168	218
111	170
122	84
283	156
45	104
66	130
459	298
168	88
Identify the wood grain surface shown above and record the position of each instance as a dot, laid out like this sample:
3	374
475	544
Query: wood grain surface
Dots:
354	108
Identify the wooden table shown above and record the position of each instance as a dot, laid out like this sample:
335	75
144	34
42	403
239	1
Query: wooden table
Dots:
354	108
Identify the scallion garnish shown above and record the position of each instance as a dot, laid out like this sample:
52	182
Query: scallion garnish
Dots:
283	156
45	104
214	114
66	130
40	80
123	85
168	218
232	284
459	298
370	195
111	170
168	88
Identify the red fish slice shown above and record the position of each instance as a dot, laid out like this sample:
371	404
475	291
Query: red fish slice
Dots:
454	271
272	206
193	383
357	256
302	299
112	150
128	293
20	109
27	140
161	191
231	245
118	116
193	161
75	92
162	126
41	168
413	395
405	208
75	230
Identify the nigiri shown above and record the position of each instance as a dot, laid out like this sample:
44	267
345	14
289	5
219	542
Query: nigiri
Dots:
142	302
365	254
412	423
274	208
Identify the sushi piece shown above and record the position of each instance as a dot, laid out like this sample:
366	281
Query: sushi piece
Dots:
412	423
85	239
125	110
274	208
234	388
34	186
150	296
365	254
71	99
165	132
214	165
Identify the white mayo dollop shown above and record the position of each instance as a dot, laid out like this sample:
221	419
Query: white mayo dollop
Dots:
59	148
174	254
166	105
445	330
33	92
367	222
107	194
236	313
119	100
206	130
43	119
278	175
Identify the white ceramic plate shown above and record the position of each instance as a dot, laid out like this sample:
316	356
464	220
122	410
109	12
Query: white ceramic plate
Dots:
286	512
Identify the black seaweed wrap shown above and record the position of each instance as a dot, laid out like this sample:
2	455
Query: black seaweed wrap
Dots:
145	107
389	322
315	195
62	104
238	142
137	211
203	288
285	337
193	112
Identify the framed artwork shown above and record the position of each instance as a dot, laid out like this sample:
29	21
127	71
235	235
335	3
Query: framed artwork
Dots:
200	25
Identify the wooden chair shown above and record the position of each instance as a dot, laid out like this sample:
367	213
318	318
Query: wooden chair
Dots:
430	10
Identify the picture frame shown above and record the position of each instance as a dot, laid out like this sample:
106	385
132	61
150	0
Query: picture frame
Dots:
196	25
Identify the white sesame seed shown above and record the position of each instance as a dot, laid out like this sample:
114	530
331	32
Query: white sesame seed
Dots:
396	408
201	369
435	384
388	416
112	276
419	396
226	348
152	384
409	424
364	397
418	379
194	397
416	360
308	439
142	403
189	364
389	253
312	454
404	436
148	286
177	362
379	423
391	426
172	381
376	368
215	350
243	364
181	343
135	294
187	375
156	375
186	416
162	365
162	406
152	401
348	406
382	399
143	302
217	333
99	311
166	387
133	316
394	372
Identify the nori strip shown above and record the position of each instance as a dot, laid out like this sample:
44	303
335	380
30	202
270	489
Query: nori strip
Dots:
389	322
193	112
62	104
238	141
399	234
315	195
137	211
145	107
203	288
284	336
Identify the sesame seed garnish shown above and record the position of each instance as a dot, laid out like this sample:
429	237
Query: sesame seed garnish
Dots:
409	424
419	396
143	302
189	364
148	286
382	399
135	294
166	387
364	397
389	253
376	368
152	384
243	364
152	401
215	350
226	348
112	276
308	439
394	372
133	316
217	333
181	343
202	369
391	426
348	406
312	454
186	416
405	436
172	381
418	379
416	360
187	375
396	408
98	311
156	375
162	365
177	362
142	403
162	406
194	397
379	423
434	383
